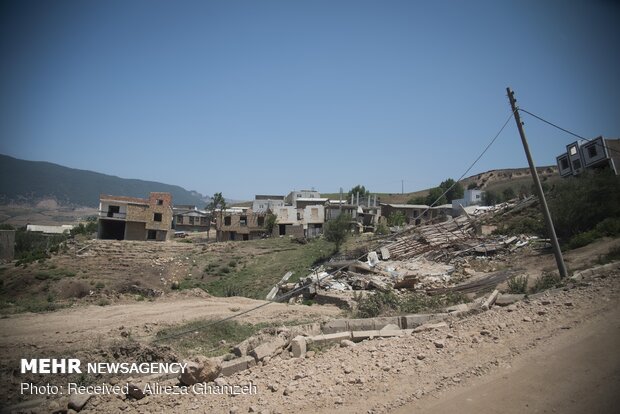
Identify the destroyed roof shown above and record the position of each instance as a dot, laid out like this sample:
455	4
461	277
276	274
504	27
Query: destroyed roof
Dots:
268	197
320	200
123	199
417	206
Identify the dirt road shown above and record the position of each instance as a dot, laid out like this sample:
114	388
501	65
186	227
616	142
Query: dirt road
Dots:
58	330
576	372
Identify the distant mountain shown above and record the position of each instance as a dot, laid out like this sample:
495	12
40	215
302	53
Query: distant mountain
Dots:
31	181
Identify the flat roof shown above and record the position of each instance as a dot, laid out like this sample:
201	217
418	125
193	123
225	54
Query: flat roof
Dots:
418	206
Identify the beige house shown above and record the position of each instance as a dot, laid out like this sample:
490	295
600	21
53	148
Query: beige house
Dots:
130	218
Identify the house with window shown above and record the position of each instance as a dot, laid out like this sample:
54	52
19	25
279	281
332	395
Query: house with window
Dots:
264	203
190	218
239	224
597	153
131	218
470	198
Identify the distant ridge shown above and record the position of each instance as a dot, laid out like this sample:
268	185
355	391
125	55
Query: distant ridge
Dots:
24	181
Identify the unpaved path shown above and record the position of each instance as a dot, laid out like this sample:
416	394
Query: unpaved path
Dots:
575	372
58	330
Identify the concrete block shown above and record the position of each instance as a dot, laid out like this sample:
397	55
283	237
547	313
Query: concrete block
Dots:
268	349
298	346
431	326
361	324
236	365
413	321
329	338
508	299
336	325
458	308
358	336
381	322
490	300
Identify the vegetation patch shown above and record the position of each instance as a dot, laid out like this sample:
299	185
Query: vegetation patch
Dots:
207	337
388	303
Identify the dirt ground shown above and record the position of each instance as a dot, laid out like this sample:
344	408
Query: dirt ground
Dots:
554	353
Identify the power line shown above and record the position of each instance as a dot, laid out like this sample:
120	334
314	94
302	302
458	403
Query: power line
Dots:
301	288
565	130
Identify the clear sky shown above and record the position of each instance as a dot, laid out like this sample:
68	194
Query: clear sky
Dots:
255	97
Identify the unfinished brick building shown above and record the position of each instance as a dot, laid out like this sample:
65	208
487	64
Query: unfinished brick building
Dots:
130	218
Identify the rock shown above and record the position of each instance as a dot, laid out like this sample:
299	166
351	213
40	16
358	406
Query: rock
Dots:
542	312
345	343
439	343
236	365
234	410
527	319
421	357
77	401
310	354
485	332
508	299
135	391
569	304
202	370
273	387
298	346
268	349
511	308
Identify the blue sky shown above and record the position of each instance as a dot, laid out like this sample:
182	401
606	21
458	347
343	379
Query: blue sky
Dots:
251	97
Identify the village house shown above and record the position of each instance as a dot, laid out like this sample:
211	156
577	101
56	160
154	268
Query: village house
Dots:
597	153
414	213
130	218
239	224
264	203
190	218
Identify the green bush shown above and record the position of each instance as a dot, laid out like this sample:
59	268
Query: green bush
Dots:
518	284
546	281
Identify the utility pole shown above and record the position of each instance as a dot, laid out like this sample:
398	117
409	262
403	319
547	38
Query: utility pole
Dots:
402	186
539	191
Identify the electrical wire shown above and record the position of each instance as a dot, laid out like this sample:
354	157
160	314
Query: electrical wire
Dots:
565	130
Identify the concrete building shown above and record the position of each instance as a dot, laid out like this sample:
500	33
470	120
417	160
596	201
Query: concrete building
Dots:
414	213
190	218
263	203
64	228
129	218
470	198
597	153
238	224
291	198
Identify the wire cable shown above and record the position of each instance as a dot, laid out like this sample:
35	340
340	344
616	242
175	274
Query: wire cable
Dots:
565	130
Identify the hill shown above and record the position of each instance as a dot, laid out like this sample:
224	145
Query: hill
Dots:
494	180
32	181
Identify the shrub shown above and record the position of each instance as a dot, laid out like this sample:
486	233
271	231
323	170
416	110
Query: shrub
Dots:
546	281
518	284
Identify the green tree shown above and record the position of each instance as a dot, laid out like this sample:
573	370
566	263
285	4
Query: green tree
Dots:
579	204
508	193
490	198
337	230
397	218
435	197
472	186
453	193
359	189
270	222
218	203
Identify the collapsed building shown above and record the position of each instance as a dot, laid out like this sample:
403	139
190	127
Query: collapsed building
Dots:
131	218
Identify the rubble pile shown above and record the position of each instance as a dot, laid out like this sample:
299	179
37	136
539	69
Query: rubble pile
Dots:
432	258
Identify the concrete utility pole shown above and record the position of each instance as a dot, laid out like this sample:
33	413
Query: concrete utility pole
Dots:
539	191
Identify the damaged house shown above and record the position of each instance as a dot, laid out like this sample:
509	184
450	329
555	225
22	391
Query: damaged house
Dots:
190	218
130	218
240	224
